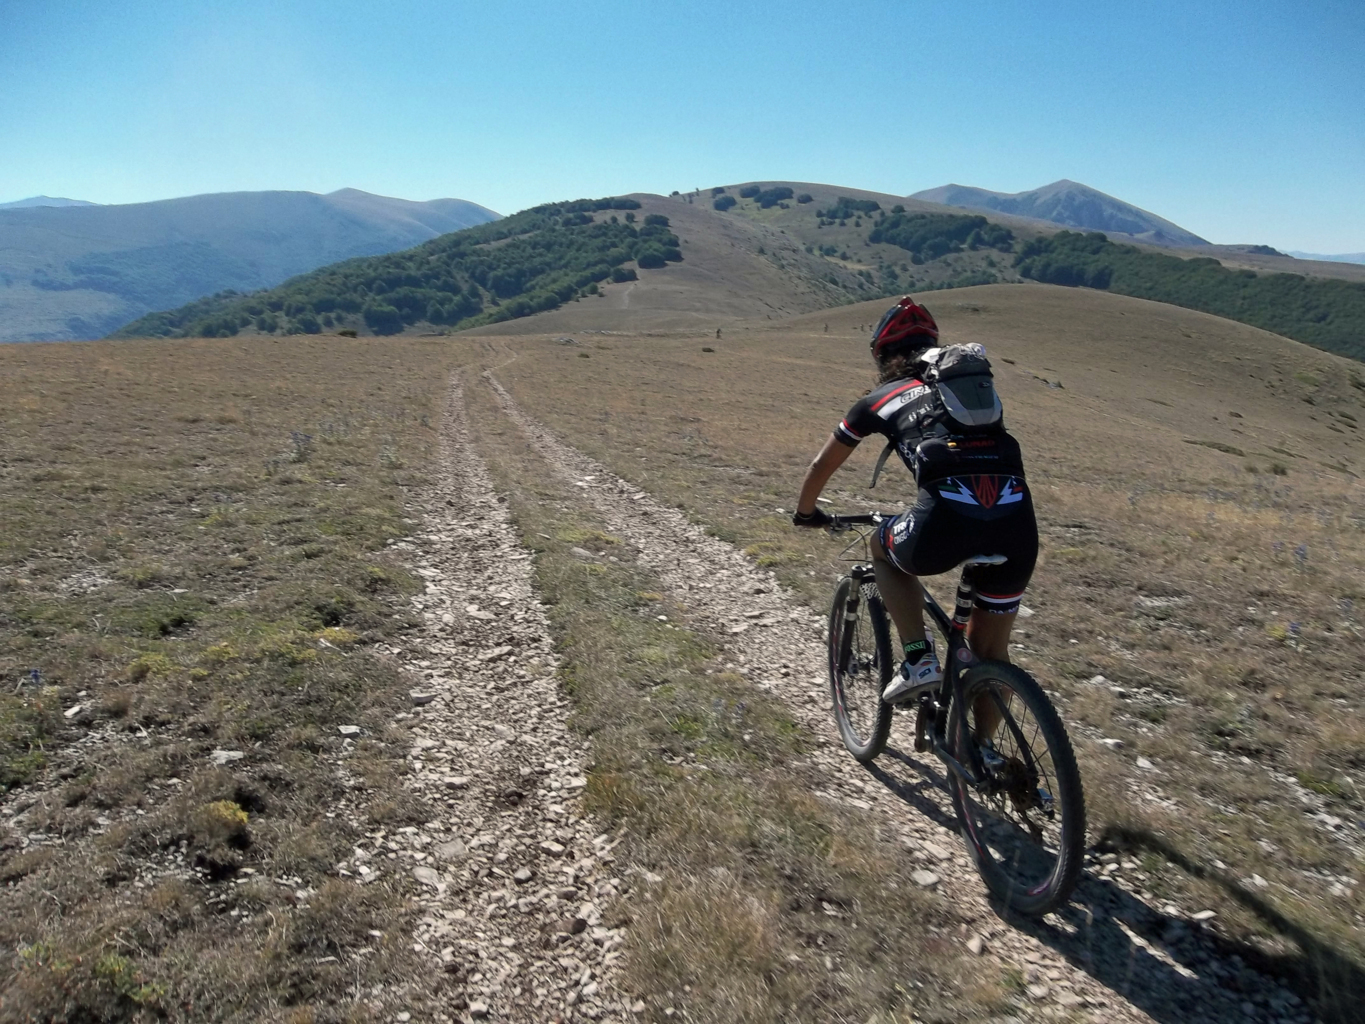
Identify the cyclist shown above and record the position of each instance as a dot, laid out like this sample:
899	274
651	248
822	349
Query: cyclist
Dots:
972	501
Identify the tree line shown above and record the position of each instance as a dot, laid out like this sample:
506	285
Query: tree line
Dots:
543	257
1324	312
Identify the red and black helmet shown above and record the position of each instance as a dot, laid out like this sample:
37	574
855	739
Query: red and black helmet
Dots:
906	323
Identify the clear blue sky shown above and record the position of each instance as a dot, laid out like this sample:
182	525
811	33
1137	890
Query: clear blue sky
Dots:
1242	121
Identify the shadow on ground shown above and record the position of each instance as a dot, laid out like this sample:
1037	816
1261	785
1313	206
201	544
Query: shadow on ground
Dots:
1174	970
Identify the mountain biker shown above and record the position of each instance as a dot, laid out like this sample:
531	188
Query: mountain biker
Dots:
972	500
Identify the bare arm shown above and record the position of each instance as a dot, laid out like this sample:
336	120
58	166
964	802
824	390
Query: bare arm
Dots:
831	457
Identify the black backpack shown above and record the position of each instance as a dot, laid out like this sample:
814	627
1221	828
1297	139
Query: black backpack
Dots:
965	403
966	390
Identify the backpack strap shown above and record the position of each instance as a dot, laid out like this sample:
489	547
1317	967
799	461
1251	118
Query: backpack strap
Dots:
881	462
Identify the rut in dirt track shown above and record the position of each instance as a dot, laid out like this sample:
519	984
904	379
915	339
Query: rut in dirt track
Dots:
518	888
1107	957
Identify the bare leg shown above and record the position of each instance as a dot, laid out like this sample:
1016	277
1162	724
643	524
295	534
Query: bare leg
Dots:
901	594
989	634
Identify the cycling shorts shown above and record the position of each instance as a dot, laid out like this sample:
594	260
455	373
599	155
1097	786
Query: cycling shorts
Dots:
959	517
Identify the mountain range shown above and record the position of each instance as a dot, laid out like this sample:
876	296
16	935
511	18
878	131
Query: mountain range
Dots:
1072	205
1345	257
80	271
31	201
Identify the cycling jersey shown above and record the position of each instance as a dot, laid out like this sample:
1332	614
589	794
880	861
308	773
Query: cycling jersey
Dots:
972	500
907	413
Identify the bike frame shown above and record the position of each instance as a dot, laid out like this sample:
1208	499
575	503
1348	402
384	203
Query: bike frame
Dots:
957	659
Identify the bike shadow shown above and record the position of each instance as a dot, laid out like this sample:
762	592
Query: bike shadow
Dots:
1175	970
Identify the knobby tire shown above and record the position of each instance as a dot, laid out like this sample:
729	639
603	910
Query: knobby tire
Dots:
860	666
1031	872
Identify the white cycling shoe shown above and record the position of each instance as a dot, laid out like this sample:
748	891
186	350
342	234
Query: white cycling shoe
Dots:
912	680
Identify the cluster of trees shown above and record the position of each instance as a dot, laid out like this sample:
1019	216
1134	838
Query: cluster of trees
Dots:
927	236
845	207
770	197
766	198
547	255
1324	312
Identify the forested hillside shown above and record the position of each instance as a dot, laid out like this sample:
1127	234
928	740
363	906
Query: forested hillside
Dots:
1324	312
527	263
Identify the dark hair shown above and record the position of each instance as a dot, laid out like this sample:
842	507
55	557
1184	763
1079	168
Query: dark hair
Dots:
898	364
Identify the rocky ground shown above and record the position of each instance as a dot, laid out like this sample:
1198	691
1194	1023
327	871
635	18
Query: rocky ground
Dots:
521	896
1109	956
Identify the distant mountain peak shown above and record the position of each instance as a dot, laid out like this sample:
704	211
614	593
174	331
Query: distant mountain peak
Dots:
24	204
1070	204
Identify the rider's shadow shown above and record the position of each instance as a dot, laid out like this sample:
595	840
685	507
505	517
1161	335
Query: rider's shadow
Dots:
1171	969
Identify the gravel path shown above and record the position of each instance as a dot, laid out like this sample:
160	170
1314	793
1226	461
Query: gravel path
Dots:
519	897
1107	957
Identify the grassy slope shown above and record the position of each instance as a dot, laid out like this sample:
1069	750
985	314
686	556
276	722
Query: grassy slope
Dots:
1220	597
194	559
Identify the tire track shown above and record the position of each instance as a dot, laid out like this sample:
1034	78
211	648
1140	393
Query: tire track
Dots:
1107	957
517	893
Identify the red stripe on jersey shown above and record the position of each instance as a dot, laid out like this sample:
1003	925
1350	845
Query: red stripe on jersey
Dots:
843	425
900	390
999	597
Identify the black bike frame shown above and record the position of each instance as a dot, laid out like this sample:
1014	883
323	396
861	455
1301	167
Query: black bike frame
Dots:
957	659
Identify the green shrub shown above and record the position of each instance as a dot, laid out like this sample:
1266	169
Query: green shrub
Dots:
724	203
846	207
749	191
656	220
805	197
931	235
383	319
770	197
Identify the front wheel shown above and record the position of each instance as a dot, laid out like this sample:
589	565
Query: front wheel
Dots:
1025	824
860	665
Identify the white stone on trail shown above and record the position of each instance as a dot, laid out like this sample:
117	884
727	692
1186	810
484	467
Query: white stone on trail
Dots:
721	589
349	730
490	754
222	757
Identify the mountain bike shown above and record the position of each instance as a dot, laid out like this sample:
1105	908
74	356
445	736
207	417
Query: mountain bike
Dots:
1017	792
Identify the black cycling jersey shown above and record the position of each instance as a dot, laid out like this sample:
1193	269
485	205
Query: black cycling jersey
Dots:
909	415
972	496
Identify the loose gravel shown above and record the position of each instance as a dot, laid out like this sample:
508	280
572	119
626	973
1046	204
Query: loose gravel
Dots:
520	902
1110	956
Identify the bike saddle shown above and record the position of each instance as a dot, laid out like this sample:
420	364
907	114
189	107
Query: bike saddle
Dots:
986	560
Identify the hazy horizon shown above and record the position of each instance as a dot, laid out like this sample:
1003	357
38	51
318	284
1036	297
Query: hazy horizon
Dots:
1172	109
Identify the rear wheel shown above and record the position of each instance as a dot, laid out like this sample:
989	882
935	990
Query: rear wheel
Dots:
1025	825
860	666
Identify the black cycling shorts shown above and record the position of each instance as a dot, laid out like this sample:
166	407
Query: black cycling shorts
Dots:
963	516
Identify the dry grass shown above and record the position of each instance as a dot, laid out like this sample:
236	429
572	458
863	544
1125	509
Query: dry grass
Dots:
755	900
1222	607
194	559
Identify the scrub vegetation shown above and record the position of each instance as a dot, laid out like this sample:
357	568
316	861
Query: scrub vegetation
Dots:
1326	313
530	262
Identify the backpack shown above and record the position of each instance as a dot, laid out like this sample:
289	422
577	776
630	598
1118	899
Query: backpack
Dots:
966	388
965	403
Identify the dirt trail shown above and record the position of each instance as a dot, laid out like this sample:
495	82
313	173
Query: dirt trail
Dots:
518	886
1109	956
